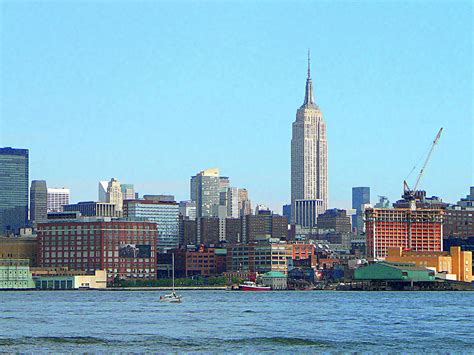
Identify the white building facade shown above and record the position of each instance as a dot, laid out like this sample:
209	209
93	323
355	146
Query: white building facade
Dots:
233	202
306	212
188	209
57	198
102	191
114	194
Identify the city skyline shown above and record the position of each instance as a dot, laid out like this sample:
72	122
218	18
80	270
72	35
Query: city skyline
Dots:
110	112
199	175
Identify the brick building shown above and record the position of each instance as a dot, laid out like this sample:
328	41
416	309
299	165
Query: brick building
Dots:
302	250
249	228
419	230
206	261
272	225
209	230
233	230
458	223
202	261
335	219
164	213
123	248
187	231
266	257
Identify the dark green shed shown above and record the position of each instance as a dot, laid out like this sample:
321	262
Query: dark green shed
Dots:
395	272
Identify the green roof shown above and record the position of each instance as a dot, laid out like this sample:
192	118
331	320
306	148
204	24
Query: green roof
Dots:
403	266
220	251
393	271
274	274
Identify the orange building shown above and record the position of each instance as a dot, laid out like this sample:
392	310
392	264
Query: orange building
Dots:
454	262
302	250
416	230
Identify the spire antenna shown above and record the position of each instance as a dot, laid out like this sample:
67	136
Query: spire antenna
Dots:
309	97
309	64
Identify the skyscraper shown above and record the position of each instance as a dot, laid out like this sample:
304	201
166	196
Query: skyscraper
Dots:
57	198
13	189
232	202
114	194
245	206
128	191
103	191
192	188
309	157
287	211
207	188
360	197
38	201
187	209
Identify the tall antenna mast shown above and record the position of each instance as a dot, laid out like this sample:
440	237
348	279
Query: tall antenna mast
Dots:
309	64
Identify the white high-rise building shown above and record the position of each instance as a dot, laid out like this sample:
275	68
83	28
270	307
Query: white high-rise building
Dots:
309	157
103	191
57	198
206	187
232	201
187	209
114	194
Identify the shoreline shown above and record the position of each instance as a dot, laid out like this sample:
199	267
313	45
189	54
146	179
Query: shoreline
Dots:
164	288
224	288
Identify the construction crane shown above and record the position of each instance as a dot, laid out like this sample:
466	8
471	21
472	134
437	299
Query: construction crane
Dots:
409	194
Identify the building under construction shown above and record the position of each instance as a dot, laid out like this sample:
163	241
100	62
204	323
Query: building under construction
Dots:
411	229
407	225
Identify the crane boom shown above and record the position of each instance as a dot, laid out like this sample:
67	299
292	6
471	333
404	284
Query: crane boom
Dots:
427	159
409	194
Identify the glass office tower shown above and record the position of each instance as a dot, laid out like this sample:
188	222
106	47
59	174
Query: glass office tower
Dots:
360	197
38	202
13	189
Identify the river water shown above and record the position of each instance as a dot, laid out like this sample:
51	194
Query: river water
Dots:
245	322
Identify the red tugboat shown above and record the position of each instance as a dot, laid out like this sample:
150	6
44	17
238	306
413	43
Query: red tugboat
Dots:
252	286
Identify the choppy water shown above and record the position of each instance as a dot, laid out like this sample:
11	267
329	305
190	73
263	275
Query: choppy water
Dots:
245	322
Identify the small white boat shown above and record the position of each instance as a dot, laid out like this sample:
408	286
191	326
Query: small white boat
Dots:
172	297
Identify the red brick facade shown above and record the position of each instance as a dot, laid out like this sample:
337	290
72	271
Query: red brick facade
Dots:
125	249
419	230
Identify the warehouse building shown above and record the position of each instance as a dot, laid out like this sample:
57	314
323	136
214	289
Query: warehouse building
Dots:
125	249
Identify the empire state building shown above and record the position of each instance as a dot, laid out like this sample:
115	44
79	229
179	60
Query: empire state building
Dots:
309	153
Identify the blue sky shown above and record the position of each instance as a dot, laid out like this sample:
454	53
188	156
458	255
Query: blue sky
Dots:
152	92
